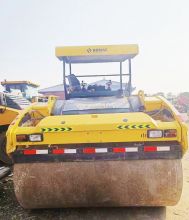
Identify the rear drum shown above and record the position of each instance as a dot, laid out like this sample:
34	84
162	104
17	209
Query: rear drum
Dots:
98	183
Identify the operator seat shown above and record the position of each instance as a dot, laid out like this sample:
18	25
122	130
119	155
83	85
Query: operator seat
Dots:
74	83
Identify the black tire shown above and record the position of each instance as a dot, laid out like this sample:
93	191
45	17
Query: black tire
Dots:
4	171
3	155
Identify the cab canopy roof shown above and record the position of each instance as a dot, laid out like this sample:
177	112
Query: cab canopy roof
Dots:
4	83
96	54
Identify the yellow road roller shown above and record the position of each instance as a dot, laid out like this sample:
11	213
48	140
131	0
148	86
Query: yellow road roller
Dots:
101	146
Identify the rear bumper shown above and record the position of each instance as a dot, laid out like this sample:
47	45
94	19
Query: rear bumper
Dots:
98	152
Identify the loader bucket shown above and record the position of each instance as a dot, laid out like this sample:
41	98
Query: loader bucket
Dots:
98	183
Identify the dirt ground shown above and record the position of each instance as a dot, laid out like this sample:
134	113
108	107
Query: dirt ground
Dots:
10	209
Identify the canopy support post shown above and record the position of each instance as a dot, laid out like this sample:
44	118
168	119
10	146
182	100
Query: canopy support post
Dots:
70	66
121	76
64	79
129	83
64	72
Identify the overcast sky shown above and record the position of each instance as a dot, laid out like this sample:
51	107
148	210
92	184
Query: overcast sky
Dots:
31	29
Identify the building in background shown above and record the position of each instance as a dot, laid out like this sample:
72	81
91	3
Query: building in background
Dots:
57	90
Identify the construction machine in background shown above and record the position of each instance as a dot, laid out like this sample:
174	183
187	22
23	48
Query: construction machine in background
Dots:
10	106
26	89
16	96
99	147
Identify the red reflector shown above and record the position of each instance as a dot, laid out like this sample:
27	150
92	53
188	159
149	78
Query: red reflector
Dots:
89	150
58	151
119	150
150	148
29	152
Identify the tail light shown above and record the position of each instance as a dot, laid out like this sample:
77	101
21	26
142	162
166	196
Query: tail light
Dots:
21	138
30	137
170	133
35	137
155	133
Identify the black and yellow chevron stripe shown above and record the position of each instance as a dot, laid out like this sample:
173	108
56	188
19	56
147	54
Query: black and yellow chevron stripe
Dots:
133	126
56	129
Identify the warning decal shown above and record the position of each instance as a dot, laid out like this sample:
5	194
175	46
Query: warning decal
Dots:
56	129
134	126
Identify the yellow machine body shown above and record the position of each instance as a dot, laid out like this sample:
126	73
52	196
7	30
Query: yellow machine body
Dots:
85	128
7	115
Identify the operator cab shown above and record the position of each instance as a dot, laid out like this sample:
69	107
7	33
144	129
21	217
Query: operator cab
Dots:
75	85
25	89
77	89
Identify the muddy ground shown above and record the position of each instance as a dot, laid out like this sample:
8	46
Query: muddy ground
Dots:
10	209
